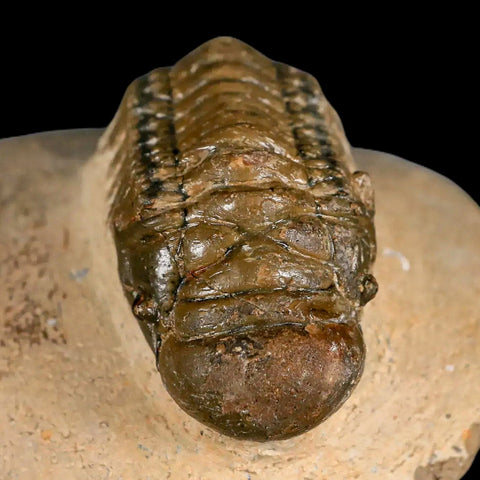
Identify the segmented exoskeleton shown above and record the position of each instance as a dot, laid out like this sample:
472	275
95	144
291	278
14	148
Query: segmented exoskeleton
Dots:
244	237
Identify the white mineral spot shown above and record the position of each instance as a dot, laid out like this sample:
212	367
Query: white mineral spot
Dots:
389	252
228	206
198	249
163	263
78	275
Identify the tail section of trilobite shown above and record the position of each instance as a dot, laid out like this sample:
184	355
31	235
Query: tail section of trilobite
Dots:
241	227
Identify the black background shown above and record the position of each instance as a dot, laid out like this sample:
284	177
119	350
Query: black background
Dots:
401	80
399	85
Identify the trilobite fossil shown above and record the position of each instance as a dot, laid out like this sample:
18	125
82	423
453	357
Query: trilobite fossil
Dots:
245	239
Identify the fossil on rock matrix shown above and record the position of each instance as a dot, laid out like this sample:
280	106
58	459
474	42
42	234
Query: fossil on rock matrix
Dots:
245	239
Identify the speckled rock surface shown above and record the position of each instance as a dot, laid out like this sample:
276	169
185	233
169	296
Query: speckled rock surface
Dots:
80	396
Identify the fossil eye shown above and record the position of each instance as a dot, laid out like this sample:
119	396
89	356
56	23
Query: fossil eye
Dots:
368	288
144	309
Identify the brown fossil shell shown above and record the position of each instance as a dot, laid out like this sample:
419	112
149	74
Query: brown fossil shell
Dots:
245	239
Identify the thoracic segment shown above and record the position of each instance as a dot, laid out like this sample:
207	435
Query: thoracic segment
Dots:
229	162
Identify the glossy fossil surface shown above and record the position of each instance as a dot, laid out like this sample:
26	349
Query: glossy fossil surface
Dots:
245	239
